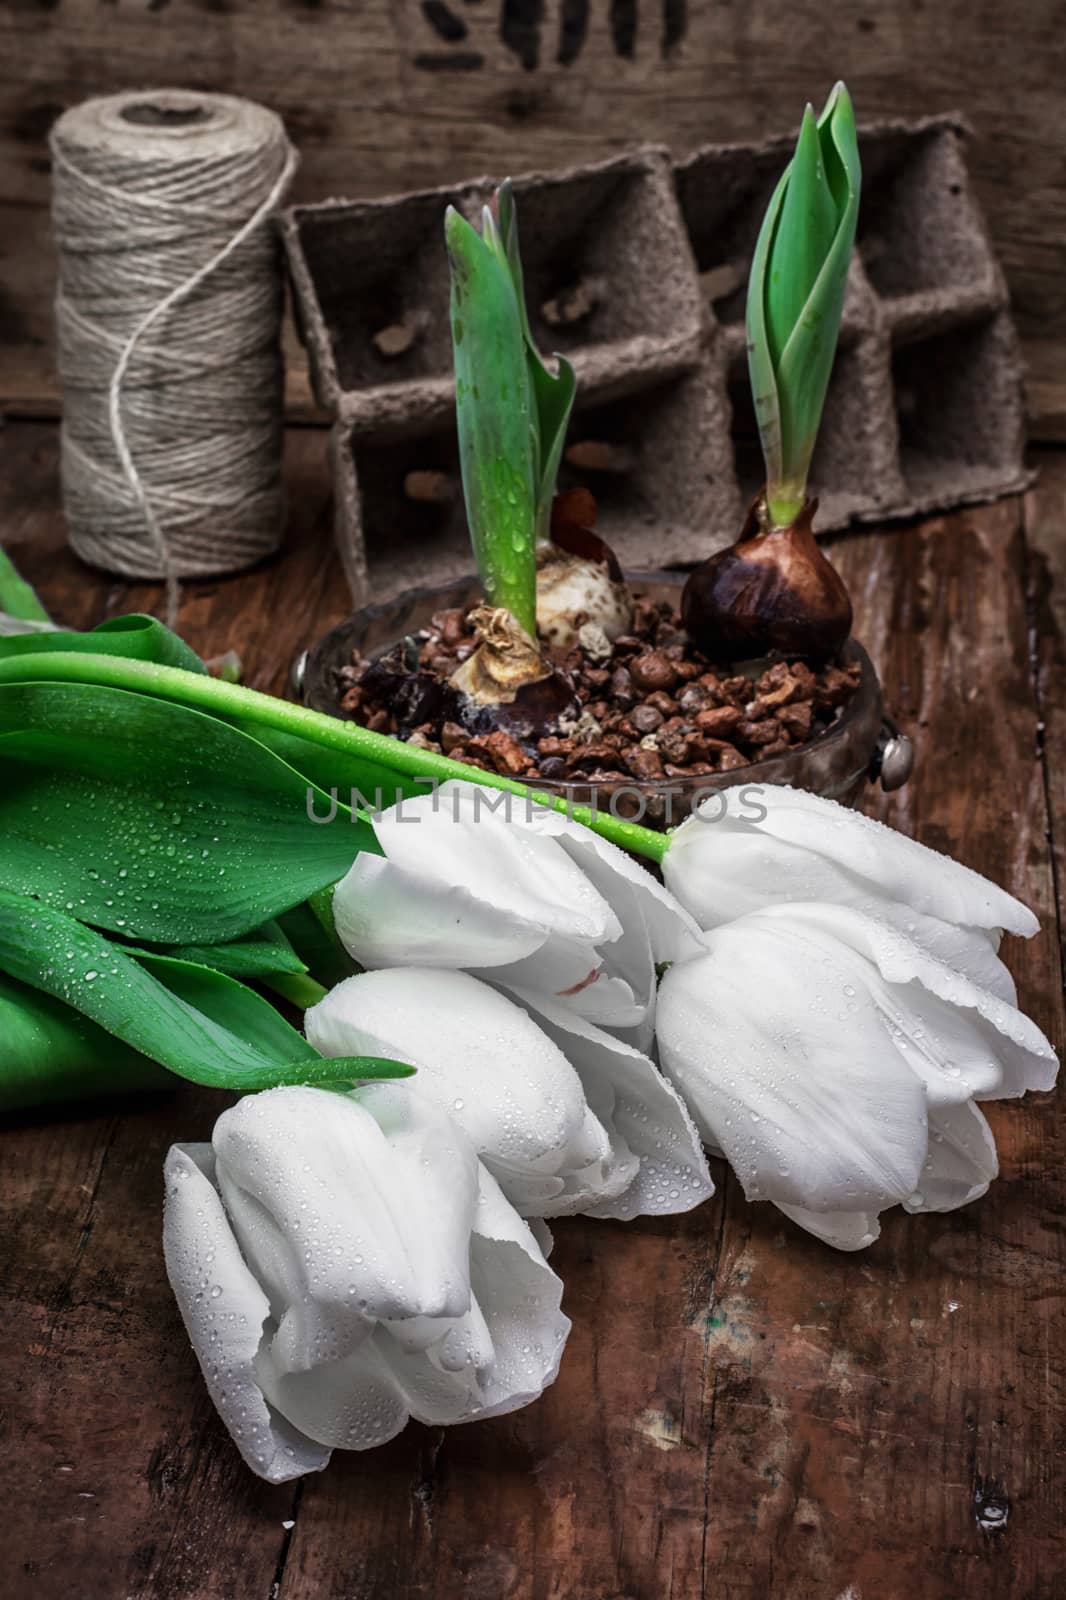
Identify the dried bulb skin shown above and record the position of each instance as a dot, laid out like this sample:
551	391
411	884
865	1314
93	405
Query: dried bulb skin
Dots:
506	658
507	683
772	590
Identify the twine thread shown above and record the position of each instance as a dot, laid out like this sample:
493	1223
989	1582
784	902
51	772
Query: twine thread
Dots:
168	314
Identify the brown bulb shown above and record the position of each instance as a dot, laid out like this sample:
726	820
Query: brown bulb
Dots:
771	591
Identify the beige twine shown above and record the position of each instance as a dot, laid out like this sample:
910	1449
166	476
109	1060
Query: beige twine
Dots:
168	314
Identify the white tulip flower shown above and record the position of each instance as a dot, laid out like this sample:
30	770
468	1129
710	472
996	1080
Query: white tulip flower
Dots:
765	845
343	1262
517	893
836	1062
566	1117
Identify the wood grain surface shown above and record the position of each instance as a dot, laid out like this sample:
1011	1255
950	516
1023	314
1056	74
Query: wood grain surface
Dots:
741	1414
386	95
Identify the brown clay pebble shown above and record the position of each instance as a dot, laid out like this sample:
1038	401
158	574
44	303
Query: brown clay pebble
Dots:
796	720
643	764
452	736
718	721
622	689
692	698
663	703
731	758
804	677
507	753
593	755
736	689
777	694
758	733
646	718
653	670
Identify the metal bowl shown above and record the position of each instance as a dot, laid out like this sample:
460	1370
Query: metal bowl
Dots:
862	744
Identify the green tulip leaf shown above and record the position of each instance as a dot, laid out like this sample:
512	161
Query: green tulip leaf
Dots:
495	418
157	821
20	609
52	1053
136	637
553	394
192	1020
805	230
240	958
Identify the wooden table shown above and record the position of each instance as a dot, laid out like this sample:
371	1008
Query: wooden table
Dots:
741	1413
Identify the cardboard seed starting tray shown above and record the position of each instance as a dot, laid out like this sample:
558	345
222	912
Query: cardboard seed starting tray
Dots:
636	270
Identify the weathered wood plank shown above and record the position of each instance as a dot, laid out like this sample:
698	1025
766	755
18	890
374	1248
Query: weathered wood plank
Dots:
1045	533
740	1412
382	96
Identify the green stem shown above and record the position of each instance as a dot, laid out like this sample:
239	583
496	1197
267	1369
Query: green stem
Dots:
784	502
342	1072
298	988
328	733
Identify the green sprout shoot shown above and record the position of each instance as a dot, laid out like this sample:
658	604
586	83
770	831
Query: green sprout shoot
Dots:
796	296
512	412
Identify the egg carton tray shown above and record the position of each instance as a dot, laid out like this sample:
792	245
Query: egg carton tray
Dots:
636	270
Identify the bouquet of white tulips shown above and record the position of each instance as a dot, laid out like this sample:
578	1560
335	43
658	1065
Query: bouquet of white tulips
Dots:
506	1016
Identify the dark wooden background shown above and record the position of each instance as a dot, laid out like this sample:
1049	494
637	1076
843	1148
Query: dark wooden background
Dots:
383	95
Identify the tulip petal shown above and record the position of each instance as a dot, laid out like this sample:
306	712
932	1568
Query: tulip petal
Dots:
844	1230
578	978
960	1038
387	915
225	1312
807	848
654	927
622	881
379	1187
459	837
654	1141
518	1317
808	1112
971	951
483	1061
352	1404
520	1299
961	1163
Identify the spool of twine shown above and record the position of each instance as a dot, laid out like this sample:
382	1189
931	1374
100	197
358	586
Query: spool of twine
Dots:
168	314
